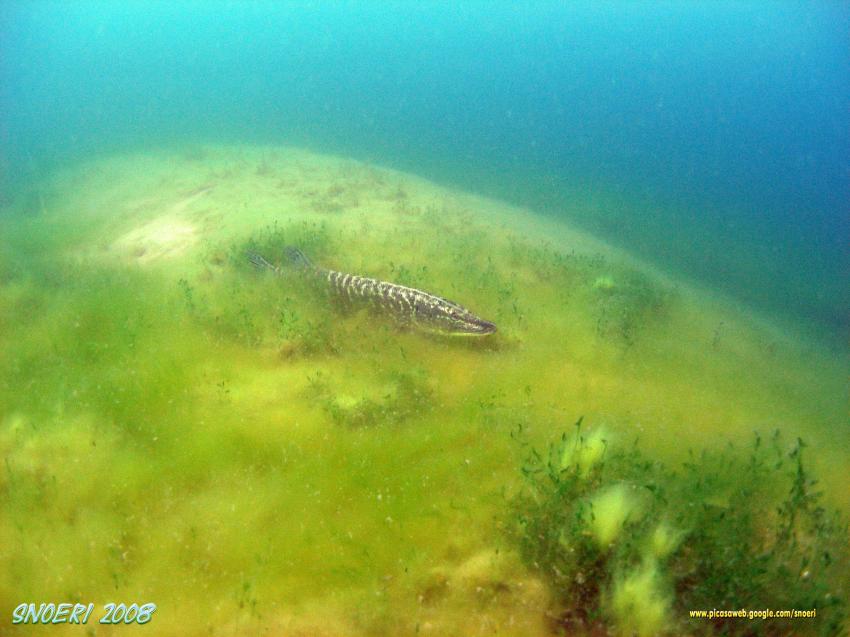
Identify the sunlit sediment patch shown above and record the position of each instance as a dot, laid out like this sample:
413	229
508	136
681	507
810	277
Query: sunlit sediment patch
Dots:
167	236
162	238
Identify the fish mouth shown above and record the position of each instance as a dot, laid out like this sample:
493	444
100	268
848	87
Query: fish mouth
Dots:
479	328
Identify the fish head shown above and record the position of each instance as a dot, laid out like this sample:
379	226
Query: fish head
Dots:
456	320
472	324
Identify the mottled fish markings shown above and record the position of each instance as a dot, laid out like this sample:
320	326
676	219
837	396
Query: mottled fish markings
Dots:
408	306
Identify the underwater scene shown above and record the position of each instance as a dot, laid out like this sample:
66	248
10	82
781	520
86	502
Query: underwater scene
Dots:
385	319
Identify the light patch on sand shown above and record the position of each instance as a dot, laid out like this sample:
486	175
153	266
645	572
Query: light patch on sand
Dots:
166	236
162	238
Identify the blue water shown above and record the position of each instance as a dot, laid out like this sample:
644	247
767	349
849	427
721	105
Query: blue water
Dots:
712	138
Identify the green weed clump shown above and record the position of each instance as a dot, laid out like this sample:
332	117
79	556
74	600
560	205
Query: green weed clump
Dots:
405	396
626	302
86	339
630	546
311	238
235	302
623	301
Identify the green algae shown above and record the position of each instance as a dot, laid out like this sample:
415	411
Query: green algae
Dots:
232	446
405	395
628	544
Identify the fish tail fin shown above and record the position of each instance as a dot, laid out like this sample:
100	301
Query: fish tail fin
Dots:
259	261
296	257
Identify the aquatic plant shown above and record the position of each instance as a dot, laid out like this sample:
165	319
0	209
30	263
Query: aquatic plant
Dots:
412	276
265	314
311	237
550	264
627	544
178	386
405	396
188	293
92	344
284	313
626	302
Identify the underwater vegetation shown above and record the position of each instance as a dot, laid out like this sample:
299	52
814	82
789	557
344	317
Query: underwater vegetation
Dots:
237	303
305	308
623	301
405	395
92	343
313	238
630	545
161	400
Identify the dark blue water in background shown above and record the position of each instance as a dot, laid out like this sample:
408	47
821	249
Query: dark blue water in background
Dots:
712	138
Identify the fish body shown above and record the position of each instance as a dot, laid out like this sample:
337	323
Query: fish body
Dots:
408	306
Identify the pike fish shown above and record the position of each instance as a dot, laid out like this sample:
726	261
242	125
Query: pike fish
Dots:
408	306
